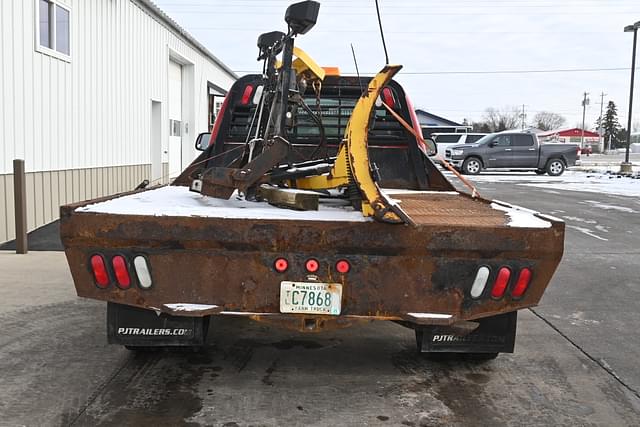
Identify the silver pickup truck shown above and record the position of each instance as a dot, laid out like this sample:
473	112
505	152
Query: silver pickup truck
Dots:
513	150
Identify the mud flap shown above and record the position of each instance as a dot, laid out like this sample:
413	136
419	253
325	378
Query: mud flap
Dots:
132	326
495	334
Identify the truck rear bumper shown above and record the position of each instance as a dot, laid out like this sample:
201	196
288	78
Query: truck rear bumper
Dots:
423	274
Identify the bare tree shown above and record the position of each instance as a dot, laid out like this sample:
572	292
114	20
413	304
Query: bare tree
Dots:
546	120
499	120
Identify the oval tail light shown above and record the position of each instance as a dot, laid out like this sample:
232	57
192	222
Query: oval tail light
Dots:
99	269
480	282
142	271
501	283
246	95
122	274
524	278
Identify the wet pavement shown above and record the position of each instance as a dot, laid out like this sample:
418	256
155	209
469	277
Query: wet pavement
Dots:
574	364
57	370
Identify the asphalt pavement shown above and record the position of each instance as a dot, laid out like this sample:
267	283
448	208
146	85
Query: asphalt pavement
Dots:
594	296
575	361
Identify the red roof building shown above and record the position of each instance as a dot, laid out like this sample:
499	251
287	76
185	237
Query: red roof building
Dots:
572	135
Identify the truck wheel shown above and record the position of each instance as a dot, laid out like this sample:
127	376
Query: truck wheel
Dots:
472	166
555	167
540	171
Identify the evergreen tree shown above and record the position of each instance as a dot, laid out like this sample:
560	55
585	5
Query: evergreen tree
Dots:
610	125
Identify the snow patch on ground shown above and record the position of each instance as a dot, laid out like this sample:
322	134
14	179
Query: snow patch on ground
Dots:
577	219
520	217
179	201
604	206
578	319
587	231
569	181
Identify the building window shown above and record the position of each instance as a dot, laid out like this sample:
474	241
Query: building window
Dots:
215	96
54	29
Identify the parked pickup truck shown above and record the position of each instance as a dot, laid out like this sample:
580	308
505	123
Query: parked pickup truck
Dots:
512	150
166	260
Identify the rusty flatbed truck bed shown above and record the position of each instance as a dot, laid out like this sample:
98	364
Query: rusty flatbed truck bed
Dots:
452	267
466	259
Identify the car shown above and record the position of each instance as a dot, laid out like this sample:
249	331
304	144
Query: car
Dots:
512	150
446	140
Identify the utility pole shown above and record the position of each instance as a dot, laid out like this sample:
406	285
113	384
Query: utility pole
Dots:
523	116
600	141
626	165
585	102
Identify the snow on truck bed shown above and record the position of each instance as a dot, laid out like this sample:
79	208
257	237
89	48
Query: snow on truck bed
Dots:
179	201
426	207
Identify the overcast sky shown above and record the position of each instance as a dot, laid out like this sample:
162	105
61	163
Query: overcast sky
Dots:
437	41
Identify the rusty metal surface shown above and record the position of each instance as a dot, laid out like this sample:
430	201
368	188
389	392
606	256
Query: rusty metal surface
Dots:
395	269
450	209
232	178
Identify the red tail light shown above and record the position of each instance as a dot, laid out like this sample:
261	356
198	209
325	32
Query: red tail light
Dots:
387	97
100	274
312	265
246	95
281	265
343	266
218	122
501	283
121	272
522	284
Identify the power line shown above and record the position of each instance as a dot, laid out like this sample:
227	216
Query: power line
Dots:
519	13
340	30
343	6
422	73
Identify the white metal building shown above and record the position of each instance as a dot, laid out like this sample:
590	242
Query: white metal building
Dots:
97	95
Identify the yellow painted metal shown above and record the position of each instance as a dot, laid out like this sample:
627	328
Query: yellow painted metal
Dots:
353	156
337	177
305	62
357	133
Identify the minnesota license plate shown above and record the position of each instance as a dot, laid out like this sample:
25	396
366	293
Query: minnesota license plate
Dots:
310	297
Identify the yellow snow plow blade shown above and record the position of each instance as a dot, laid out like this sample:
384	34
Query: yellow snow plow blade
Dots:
352	165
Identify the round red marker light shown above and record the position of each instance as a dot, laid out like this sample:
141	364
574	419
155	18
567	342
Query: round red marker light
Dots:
343	266
312	265
281	265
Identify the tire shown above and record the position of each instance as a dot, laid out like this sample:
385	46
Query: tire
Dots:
540	171
472	166
555	167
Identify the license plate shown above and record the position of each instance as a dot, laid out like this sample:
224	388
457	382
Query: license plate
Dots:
310	297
